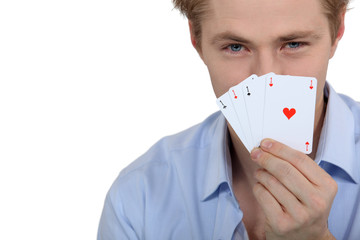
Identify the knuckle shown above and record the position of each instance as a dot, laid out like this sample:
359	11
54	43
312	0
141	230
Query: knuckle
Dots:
300	158
302	217
331	185
272	181
318	204
264	160
282	226
287	171
258	190
279	147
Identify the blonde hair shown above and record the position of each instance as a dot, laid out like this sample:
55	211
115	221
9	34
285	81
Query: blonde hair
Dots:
196	10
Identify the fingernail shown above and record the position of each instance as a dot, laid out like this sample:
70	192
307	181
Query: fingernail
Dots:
255	154
266	144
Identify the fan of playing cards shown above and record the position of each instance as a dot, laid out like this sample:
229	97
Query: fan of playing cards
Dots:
272	106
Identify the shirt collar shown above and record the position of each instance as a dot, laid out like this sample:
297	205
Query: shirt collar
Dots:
218	164
337	139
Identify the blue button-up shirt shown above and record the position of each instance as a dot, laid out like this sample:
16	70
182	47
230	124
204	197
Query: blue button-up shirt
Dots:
182	189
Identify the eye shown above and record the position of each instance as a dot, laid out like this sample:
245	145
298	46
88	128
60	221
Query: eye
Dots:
293	45
235	47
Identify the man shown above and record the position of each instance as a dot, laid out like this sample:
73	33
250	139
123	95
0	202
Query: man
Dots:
203	184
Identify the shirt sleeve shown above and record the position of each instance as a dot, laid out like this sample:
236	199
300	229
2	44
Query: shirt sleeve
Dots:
113	224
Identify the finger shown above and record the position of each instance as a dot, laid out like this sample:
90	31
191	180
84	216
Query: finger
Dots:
270	206
290	203
285	173
299	160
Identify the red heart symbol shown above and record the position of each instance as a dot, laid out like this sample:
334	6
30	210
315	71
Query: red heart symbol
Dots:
289	113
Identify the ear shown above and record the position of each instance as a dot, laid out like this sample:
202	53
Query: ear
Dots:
192	35
340	33
194	40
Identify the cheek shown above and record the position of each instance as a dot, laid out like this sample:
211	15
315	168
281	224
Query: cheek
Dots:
314	65
226	74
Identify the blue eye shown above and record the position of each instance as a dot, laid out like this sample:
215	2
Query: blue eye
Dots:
236	47
293	44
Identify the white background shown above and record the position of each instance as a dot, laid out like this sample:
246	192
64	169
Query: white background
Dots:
88	86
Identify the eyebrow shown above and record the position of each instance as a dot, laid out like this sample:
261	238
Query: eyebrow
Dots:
299	34
228	36
225	36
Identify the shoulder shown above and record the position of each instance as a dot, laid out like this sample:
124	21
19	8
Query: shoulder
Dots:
181	152
161	176
197	136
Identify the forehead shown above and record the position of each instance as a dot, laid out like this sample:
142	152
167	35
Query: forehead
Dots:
264	17
268	8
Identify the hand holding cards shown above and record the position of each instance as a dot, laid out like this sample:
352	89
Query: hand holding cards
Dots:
272	106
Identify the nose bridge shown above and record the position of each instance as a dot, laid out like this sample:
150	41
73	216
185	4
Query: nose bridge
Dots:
265	62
